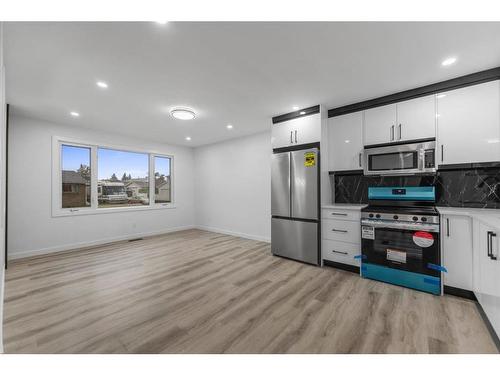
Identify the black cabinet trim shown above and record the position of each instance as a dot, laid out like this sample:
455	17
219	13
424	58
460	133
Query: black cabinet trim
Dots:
489	326
464	293
352	172
421	140
451	84
342	266
304	146
454	167
296	114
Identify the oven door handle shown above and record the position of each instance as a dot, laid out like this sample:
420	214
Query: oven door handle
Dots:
398	225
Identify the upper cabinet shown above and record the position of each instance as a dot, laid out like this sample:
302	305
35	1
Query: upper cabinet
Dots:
345	142
469	124
380	124
302	130
404	121
416	118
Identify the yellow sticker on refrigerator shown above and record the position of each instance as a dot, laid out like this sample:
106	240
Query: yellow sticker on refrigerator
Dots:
309	159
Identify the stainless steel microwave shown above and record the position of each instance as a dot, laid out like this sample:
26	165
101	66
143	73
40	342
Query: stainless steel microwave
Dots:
401	159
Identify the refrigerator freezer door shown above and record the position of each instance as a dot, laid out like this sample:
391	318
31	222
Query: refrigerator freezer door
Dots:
295	239
304	184
280	184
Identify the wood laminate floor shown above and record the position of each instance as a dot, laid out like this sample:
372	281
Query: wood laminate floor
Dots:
201	292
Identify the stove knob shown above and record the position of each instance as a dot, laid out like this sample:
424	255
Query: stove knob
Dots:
395	217
377	216
371	215
424	219
415	218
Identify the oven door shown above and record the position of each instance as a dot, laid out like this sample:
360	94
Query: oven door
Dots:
408	247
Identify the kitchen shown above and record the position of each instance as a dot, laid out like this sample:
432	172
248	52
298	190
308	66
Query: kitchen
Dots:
409	189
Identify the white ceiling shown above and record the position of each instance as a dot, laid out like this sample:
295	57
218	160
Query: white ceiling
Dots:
238	73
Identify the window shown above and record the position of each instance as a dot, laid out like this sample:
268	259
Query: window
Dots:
75	176
98	178
123	178
162	180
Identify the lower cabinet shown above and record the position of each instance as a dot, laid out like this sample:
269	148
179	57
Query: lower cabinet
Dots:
456	245
341	236
487	271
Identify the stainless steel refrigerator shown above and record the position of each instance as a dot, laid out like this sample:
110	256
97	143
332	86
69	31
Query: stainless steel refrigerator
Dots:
295	205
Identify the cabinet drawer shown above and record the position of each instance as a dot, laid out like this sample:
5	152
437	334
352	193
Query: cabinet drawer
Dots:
341	214
341	252
340	230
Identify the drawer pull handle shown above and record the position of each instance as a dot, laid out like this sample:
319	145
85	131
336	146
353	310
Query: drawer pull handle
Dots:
337	214
339	230
340	252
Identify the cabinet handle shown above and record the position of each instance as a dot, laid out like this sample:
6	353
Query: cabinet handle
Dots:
400	132
291	137
339	230
359	158
442	153
340	252
447	227
337	214
392	133
295	136
490	245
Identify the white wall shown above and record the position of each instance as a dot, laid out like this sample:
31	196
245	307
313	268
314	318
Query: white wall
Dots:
32	229
233	186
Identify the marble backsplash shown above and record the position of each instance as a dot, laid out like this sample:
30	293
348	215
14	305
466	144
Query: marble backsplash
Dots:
476	187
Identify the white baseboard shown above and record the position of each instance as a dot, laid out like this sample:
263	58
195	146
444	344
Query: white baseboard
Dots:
79	245
236	234
2	283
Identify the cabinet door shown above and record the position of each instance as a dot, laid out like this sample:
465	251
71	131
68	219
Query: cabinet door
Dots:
345	142
489	269
380	124
416	119
456	243
468	124
281	135
306	129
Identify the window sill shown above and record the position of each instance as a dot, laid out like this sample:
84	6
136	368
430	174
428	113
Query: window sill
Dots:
110	210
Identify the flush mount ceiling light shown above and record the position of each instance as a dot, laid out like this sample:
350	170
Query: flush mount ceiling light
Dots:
74	114
183	113
449	61
102	84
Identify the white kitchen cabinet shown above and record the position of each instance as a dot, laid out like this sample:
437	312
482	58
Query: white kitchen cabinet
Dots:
487	272
297	131
468	124
416	119
380	124
456	244
345	142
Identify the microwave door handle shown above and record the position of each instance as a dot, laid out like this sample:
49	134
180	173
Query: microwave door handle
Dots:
421	156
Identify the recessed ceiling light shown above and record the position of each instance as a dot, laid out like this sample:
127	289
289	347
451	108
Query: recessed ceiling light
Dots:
162	22
347	141
74	114
449	61
188	138
302	112
295	108
183	113
229	126
102	84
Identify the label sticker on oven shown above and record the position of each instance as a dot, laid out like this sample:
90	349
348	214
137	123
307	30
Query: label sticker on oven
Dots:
423	239
396	256
368	233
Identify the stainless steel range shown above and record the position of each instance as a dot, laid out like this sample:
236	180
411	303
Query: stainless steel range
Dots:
400	238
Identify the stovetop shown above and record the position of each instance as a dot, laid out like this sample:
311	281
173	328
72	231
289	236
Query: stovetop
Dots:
404	210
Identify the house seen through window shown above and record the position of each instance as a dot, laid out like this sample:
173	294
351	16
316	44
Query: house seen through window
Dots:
75	176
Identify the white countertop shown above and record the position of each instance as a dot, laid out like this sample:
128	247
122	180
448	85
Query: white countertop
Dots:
345	206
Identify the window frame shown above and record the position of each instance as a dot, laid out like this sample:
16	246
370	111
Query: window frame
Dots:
56	203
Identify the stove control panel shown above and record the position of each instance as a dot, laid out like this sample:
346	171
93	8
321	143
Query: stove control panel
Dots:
415	218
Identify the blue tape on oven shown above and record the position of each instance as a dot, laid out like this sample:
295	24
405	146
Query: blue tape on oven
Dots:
431	281
362	256
436	267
